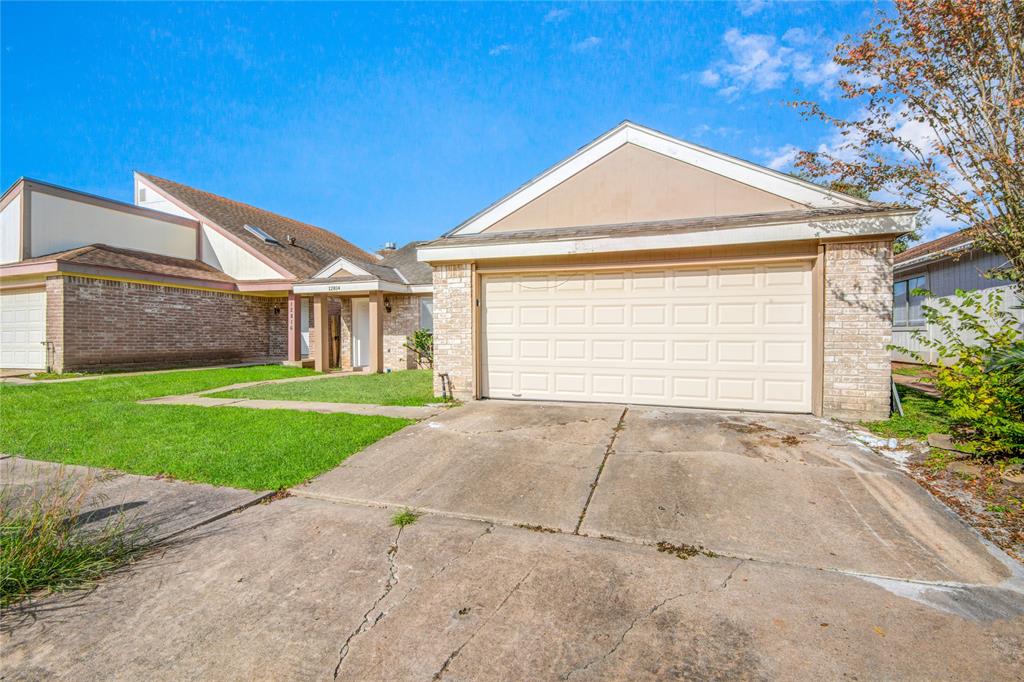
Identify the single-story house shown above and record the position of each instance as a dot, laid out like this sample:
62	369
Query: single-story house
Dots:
645	269
184	277
941	266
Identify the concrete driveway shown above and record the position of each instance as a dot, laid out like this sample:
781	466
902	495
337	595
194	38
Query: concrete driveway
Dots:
540	560
783	488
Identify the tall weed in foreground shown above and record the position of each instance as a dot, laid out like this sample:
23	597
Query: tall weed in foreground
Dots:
45	548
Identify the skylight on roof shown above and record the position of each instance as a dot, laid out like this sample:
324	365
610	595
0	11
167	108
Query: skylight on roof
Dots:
259	232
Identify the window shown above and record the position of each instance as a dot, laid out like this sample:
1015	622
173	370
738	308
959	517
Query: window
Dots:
906	307
259	232
142	195
427	313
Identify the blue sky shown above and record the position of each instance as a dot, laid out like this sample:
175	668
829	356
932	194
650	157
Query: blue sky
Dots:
394	122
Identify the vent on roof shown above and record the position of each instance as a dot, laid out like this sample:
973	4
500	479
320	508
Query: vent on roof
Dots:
262	235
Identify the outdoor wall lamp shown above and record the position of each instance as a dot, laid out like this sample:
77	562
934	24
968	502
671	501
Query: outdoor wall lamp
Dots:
387	304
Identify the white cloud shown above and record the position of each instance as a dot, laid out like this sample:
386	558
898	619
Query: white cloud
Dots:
499	49
759	62
779	158
556	14
710	78
749	8
587	43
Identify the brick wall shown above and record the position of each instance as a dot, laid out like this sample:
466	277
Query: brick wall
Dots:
55	323
96	324
402	321
453	327
858	327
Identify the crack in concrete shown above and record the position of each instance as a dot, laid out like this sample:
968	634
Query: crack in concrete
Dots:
452	561
366	625
650	612
454	654
600	469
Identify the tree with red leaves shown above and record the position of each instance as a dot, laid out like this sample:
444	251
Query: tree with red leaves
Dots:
940	84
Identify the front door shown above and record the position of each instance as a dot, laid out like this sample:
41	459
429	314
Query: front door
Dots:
360	332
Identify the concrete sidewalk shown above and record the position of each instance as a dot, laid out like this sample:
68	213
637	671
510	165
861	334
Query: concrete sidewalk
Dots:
158	508
300	405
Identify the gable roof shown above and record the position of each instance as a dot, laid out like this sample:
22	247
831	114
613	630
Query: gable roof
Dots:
937	247
627	132
405	262
314	247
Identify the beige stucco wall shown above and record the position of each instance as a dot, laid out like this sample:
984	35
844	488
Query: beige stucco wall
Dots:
857	330
58	224
633	184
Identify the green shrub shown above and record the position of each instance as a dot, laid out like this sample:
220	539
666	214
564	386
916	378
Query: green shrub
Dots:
981	390
44	548
421	342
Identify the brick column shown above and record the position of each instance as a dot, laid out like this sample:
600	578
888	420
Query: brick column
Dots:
453	328
322	330
858	327
294	327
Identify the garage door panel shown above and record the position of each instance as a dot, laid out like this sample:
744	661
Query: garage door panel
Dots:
736	337
23	330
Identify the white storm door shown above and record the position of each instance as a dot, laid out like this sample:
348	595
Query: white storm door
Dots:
360	332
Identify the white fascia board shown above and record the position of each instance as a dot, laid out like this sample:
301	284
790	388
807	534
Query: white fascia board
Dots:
934	256
797	231
748	173
341	263
421	288
344	287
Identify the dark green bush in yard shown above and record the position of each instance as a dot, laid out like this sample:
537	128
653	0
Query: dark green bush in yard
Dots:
979	374
43	547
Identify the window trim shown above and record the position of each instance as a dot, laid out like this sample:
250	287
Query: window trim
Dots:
907	300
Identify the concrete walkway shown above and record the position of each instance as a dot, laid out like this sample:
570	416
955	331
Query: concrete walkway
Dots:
300	405
157	508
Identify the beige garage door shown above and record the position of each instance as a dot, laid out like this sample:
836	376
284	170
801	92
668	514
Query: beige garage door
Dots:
23	330
721	337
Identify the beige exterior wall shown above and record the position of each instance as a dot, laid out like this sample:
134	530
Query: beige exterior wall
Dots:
857	329
10	231
453	328
58	223
634	184
230	258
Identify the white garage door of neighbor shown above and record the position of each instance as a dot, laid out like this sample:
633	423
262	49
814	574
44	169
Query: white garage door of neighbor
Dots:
23	330
723	337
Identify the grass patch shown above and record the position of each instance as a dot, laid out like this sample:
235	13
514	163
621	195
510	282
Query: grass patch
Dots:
922	371
922	414
44	549
411	387
98	423
404	518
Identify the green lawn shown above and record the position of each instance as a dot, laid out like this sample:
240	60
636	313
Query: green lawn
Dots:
410	387
98	423
922	414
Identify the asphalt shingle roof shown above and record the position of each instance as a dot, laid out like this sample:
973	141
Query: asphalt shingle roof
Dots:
101	255
314	247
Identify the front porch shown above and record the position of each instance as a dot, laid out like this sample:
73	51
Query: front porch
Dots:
359	331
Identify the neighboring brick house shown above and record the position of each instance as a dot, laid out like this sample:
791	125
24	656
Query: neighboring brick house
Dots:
942	267
184	277
644	269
